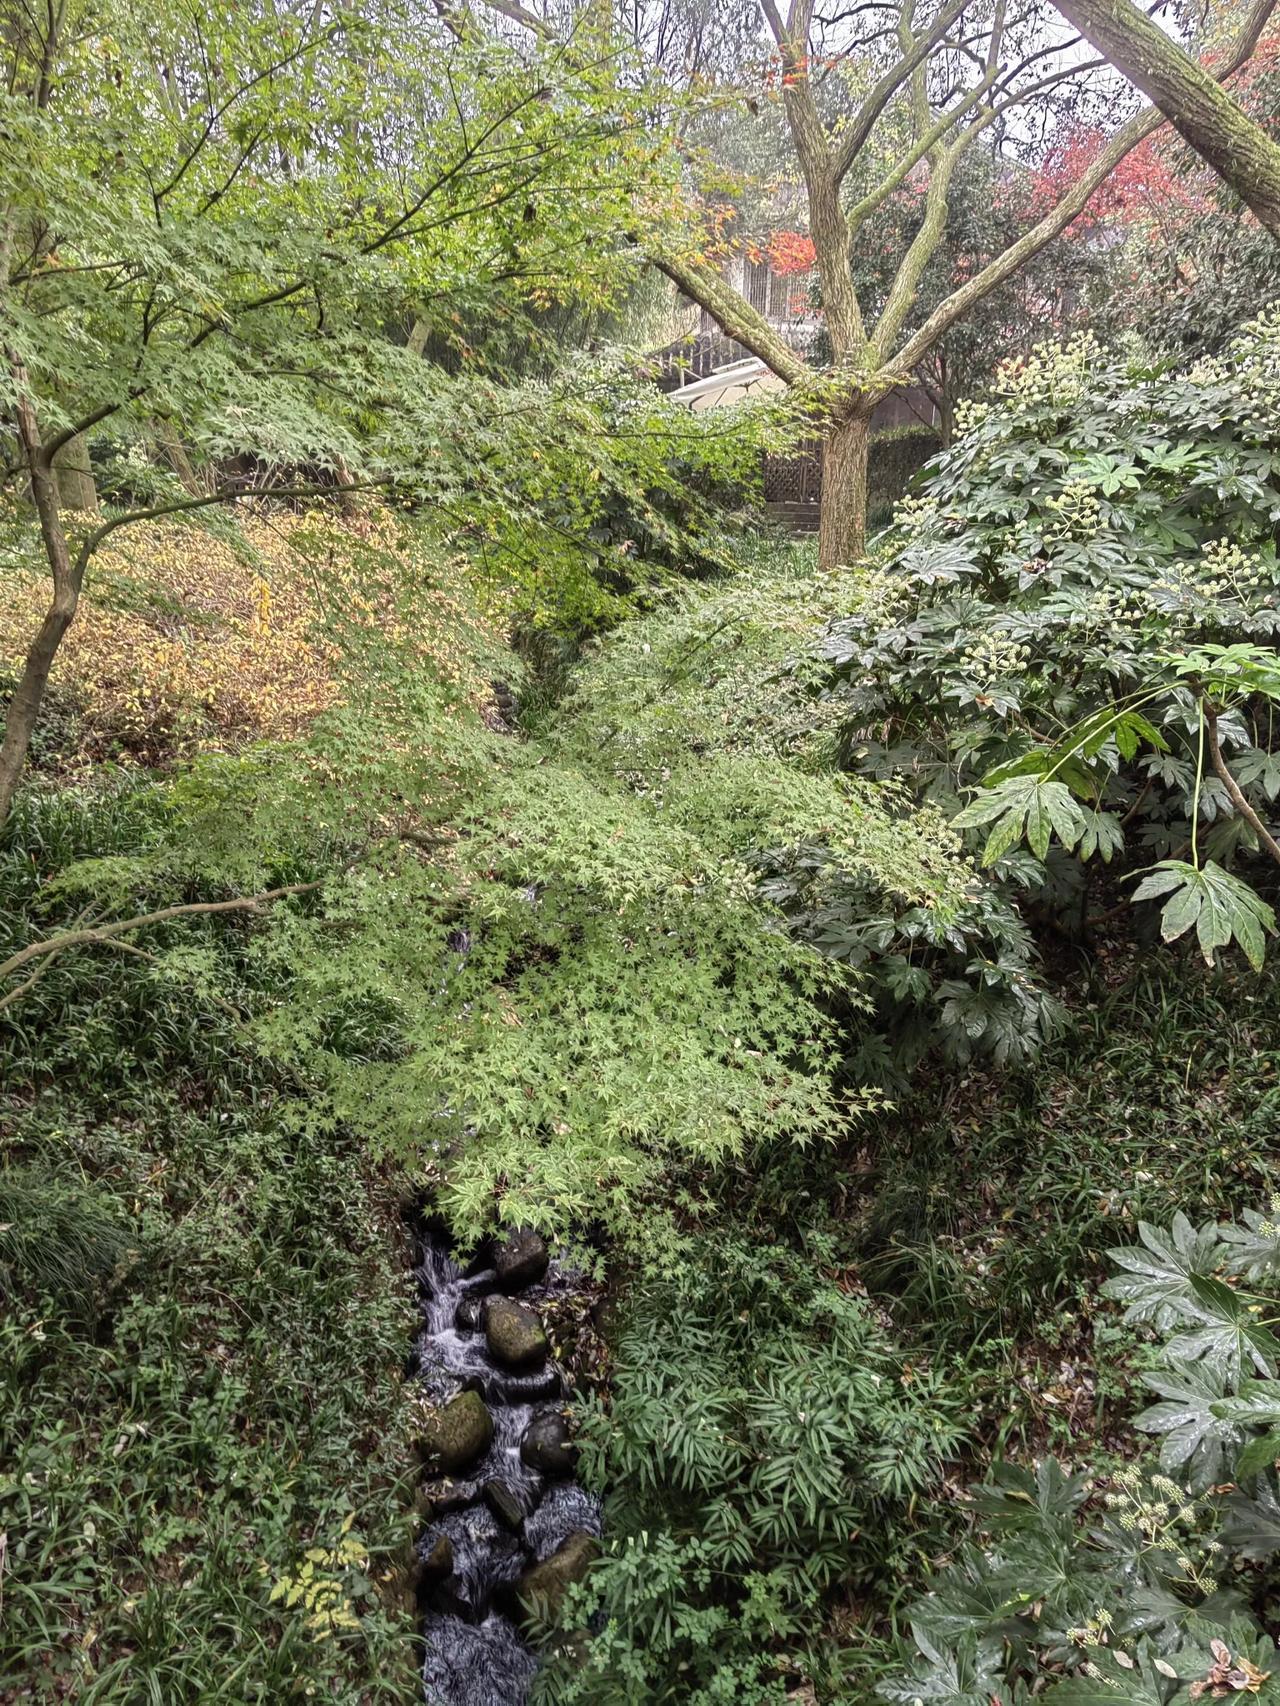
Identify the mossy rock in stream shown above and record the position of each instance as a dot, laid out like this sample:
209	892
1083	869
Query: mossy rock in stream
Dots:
540	1592
457	1434
514	1334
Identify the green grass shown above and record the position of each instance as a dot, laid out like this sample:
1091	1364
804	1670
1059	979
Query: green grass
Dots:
207	1307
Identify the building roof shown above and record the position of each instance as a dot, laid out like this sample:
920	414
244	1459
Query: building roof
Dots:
731	384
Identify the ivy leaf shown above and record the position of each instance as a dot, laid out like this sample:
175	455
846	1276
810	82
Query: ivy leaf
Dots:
1156	1283
1221	908
1196	1442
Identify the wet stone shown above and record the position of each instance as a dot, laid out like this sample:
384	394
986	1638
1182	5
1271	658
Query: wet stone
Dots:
541	1590
514	1334
520	1260
547	1445
442	1495
501	1387
437	1556
567	1509
504	1504
457	1433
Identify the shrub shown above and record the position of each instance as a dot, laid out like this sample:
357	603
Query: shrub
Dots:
762	1435
714	710
1093	518
1156	1577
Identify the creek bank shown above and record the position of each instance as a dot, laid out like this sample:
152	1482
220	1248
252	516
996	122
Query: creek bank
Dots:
506	1528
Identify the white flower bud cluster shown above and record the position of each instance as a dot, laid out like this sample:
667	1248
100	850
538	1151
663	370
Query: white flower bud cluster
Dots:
991	657
1052	373
1077	512
1228	568
970	415
916	512
1257	372
1093	1633
1153	1511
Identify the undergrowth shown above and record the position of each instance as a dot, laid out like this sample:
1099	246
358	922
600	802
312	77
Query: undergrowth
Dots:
206	1314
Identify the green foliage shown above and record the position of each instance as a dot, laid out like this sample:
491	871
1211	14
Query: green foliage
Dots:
204	1320
1136	1592
484	982
760	1436
716	705
59	1240
1098	534
980	1212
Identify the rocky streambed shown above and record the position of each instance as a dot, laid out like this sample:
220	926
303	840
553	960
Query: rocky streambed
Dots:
507	1528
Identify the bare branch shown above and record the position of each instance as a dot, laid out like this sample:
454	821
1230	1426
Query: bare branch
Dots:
853	139
945	122
521	15
105	933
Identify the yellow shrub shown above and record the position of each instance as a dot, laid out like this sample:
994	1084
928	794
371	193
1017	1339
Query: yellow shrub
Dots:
185	642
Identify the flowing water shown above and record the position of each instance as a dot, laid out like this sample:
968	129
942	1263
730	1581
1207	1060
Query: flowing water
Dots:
475	1653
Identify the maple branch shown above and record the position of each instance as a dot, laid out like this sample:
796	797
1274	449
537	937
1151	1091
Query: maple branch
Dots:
106	934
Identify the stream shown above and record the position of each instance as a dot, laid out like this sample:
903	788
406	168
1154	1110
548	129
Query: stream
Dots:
508	1528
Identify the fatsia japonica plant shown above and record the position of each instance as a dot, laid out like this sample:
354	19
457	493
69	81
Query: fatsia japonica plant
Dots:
1149	1584
1076	613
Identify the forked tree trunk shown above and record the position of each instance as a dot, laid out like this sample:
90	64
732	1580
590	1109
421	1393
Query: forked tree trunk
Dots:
842	513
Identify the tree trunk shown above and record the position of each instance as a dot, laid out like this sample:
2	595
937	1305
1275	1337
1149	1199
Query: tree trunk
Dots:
24	707
842	514
74	474
1216	126
170	448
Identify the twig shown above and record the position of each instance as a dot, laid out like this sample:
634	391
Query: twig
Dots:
1224	775
107	933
